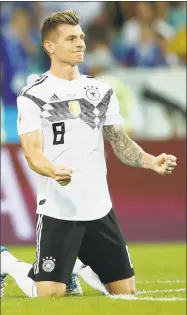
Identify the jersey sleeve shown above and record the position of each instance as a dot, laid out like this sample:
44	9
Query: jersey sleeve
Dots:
113	116
29	116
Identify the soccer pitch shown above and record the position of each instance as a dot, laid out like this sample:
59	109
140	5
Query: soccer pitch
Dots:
161	287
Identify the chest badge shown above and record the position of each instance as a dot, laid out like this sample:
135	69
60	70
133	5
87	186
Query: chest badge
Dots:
92	93
74	108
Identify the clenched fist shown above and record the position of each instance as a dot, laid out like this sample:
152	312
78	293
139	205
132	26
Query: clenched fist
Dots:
164	164
63	175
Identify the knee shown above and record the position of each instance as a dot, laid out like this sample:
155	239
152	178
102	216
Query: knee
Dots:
46	289
127	286
132	291
132	285
119	291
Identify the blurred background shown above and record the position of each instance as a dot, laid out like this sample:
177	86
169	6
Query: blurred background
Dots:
139	48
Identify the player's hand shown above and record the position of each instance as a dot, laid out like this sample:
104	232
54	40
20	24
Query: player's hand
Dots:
63	175
164	164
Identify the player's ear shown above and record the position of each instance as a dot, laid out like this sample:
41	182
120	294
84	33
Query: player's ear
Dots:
49	47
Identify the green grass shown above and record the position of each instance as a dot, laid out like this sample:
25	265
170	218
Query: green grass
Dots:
157	267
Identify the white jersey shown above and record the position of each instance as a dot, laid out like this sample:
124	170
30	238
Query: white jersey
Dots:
71	115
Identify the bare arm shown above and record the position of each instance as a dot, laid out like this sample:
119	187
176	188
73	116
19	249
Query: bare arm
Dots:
32	146
126	149
132	154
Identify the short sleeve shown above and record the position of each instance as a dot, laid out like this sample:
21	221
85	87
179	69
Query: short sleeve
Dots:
113	116
29	116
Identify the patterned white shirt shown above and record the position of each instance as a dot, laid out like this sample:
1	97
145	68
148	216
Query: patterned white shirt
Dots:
71	115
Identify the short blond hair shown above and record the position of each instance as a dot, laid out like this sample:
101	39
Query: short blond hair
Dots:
52	21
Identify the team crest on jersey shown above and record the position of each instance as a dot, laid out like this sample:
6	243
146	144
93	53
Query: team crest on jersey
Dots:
92	93
74	108
48	264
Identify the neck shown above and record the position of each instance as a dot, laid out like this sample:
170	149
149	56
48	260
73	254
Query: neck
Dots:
64	71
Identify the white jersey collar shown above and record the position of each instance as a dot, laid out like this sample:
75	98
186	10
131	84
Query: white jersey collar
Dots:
63	80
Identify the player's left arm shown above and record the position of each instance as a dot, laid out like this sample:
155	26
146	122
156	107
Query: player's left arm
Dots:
130	153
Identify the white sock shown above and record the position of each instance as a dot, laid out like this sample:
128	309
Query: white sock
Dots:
89	276
18	270
77	267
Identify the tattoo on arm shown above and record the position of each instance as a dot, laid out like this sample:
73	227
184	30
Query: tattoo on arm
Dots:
124	148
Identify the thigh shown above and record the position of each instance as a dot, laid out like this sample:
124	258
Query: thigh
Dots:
104	249
58	243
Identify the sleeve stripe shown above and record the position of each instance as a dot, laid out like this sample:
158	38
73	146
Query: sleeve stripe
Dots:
35	99
37	82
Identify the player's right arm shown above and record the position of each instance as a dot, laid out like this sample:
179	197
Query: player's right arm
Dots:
30	131
31	143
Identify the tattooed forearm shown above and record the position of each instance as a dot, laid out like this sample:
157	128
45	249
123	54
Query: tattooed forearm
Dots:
124	148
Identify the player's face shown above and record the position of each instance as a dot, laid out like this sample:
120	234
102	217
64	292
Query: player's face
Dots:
69	45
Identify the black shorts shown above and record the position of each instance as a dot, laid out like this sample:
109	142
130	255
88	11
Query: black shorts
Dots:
99	244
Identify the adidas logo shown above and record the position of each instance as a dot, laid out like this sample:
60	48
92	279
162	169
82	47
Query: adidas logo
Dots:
54	97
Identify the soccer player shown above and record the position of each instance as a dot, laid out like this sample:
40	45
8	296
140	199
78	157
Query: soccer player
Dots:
62	117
